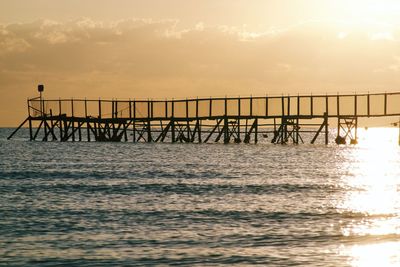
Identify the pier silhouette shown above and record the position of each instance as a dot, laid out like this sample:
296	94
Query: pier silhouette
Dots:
283	119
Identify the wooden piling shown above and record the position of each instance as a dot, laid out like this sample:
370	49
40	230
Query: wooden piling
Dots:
312	105
73	120
385	105
173	137
298	105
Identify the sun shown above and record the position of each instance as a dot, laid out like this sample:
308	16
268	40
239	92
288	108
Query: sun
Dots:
371	10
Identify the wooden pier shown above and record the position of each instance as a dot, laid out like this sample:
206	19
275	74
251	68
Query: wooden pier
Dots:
280	119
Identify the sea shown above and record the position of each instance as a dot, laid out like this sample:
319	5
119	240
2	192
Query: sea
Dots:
162	204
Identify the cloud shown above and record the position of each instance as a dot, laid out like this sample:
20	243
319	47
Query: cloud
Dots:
9	43
150	58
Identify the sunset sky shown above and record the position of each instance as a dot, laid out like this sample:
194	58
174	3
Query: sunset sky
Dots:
164	49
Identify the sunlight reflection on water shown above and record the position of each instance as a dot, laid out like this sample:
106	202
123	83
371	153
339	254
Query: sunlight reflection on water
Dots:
107	204
373	189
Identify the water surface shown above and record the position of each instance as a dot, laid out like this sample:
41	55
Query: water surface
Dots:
91	204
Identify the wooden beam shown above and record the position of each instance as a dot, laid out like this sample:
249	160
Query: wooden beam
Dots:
213	130
323	124
19	127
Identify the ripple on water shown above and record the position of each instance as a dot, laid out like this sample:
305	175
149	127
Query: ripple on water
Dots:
87	204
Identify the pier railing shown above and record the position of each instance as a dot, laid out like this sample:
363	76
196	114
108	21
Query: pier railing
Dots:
315	106
282	119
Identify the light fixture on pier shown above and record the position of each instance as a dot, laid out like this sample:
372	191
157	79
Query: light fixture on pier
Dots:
40	90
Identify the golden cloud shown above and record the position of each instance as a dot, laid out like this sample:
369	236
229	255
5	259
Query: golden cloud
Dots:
149	58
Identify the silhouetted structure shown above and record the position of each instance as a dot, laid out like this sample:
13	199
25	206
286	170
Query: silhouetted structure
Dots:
231	119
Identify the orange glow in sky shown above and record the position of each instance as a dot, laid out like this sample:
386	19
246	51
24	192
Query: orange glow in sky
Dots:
165	49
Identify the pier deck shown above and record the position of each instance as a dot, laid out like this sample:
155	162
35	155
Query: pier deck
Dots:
282	119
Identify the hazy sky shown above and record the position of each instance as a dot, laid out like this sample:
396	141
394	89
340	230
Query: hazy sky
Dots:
158	49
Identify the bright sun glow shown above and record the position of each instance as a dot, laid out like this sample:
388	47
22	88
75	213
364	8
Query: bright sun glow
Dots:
373	190
370	10
383	254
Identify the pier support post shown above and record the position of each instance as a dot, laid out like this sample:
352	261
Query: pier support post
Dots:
288	130
173	139
256	131
253	128
324	125
326	128
226	131
347	129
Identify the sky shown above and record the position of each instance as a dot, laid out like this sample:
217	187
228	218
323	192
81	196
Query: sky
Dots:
175	49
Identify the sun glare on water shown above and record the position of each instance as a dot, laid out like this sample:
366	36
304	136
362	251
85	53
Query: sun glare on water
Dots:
373	197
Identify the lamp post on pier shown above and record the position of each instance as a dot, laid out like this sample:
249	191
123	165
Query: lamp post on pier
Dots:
40	90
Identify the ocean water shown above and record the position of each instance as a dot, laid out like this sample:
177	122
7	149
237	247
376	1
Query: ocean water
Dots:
125	204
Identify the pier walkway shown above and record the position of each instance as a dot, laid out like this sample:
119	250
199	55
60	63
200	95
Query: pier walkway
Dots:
281	119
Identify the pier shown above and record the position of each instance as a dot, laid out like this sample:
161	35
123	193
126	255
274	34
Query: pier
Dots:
281	119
